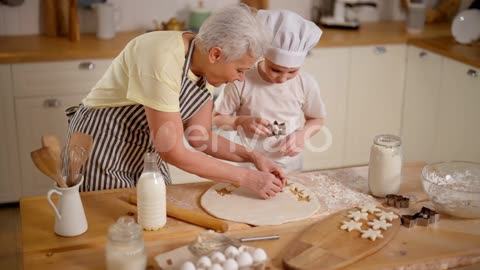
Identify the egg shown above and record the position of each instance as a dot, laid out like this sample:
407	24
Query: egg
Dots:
259	255
215	266
242	249
244	259
204	262
188	266
230	264
231	252
217	257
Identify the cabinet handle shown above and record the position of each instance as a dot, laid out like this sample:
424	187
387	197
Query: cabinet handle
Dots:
52	103
472	73
86	66
379	50
422	54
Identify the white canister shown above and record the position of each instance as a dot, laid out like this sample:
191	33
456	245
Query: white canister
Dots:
385	166
415	16
108	17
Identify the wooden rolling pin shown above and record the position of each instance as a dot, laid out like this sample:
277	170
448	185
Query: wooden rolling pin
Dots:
189	216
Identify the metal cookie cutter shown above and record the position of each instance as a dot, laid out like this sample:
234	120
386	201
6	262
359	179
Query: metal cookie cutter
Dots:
424	218
277	128
397	201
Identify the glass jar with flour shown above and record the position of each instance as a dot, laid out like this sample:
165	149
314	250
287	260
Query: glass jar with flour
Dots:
385	166
125	247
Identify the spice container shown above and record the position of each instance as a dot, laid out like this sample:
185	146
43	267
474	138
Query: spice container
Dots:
125	247
385	166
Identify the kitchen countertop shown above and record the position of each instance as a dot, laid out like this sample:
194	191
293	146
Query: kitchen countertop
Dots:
451	243
436	37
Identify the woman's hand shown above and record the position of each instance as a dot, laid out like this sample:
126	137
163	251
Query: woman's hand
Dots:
264	184
252	126
267	165
293	144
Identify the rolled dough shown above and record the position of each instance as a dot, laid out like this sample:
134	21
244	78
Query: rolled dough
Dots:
296	202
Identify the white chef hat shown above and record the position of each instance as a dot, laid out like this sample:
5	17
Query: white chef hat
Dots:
293	36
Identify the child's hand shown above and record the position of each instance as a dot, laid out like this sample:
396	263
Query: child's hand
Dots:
252	126
293	144
265	164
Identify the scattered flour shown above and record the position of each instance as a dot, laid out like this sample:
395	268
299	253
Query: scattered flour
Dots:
335	194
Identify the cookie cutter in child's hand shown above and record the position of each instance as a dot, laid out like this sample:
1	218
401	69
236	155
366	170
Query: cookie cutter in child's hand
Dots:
277	128
397	201
424	218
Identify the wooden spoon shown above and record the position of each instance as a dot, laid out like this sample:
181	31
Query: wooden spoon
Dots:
52	142
48	164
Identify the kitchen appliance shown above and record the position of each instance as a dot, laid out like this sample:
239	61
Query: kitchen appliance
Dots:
344	16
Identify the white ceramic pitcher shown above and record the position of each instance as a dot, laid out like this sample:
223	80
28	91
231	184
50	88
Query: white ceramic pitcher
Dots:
70	219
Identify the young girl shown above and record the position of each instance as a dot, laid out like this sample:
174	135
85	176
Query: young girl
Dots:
277	106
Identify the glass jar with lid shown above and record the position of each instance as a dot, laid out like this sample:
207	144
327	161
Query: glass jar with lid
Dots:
125	247
385	166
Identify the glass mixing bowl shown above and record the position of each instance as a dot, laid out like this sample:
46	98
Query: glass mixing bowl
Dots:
454	187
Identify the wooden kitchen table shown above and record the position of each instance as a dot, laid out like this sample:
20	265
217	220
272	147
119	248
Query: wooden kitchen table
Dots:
452	242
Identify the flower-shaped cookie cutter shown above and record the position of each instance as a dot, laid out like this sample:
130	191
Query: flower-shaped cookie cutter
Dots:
425	217
277	128
397	201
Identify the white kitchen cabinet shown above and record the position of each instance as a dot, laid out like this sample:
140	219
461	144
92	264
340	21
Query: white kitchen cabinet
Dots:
422	84
57	78
330	68
9	172
375	93
35	117
42	93
458	120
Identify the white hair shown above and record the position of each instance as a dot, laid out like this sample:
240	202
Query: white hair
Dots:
236	30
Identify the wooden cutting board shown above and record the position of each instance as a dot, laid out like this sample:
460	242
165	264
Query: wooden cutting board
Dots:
324	245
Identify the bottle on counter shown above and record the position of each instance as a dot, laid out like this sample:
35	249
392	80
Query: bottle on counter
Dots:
385	166
125	248
151	195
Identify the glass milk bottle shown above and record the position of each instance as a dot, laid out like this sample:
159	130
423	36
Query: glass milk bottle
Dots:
151	195
125	247
385	166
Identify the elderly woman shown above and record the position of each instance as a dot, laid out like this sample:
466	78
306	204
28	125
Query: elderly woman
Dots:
158	90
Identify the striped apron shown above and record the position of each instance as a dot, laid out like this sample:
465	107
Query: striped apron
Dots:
121	136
